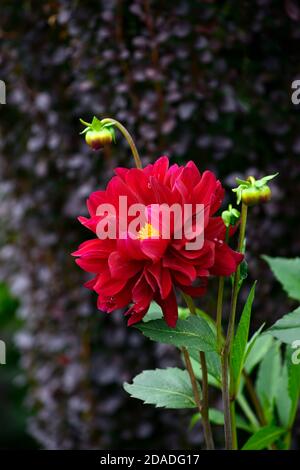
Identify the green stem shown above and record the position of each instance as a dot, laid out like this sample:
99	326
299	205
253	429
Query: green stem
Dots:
220	312
127	136
220	304
204	404
229	409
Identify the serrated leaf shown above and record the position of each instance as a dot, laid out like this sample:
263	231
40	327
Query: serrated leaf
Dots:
268	379
287	272
287	329
263	438
240	341
191	333
168	388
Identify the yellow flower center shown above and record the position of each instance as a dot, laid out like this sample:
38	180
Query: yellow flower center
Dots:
148	231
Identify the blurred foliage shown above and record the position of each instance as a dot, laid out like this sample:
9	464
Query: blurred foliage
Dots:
208	81
12	389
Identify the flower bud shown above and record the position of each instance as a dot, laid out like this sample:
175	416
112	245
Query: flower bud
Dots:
97	134
98	139
230	216
252	191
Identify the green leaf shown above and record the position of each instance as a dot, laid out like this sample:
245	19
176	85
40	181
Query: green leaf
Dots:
217	417
213	363
287	329
263	438
240	340
183	313
154	313
287	272
243	272
257	348
293	369
96	124
268	378
88	124
283	400
168	388
194	332
264	180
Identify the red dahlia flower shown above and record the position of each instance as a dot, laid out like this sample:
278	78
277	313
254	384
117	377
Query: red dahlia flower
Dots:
149	267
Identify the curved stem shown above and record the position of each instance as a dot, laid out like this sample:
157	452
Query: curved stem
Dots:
128	137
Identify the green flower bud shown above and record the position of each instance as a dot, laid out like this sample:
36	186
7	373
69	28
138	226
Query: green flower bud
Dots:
98	139
252	191
97	134
230	216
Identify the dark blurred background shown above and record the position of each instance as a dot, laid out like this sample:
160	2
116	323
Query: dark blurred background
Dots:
208	81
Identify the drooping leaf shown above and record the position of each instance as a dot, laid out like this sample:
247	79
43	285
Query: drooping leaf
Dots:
287	329
287	272
240	340
168	388
263	438
268	379
194	332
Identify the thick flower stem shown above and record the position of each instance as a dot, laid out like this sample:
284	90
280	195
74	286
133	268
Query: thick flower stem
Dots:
204	404
200	404
127	136
229	405
220	305
219	312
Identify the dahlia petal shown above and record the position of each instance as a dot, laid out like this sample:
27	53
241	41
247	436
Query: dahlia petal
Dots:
160	168
107	285
194	291
130	248
154	248
226	260
139	184
142	294
204	190
121	172
90	284
196	173
91	264
120	267
176	263
112	302
91	223
95	199
169	308
135	317
162	277
95	246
